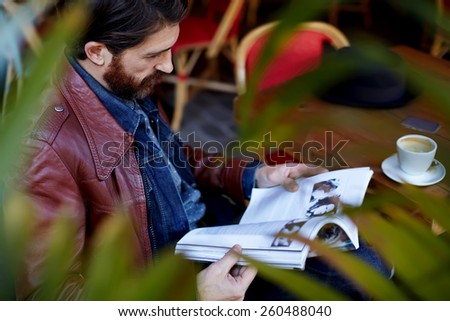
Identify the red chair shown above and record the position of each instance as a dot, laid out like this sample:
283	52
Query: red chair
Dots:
302	52
212	34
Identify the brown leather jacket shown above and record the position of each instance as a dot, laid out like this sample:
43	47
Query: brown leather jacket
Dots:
68	168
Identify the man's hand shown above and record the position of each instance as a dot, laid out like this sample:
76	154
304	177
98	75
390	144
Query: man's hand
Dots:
285	175
224	280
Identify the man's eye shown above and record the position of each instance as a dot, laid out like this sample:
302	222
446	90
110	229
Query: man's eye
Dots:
153	56
158	55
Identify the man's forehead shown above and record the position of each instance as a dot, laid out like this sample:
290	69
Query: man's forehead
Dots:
159	41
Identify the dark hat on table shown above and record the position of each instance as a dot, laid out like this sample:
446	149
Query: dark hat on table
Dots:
370	82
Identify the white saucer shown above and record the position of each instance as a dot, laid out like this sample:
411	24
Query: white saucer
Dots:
434	174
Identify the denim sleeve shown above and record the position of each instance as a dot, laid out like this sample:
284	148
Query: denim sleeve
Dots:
248	178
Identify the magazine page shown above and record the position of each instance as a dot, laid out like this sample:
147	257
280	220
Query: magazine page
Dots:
317	195
270	242
259	241
259	235
275	215
337	231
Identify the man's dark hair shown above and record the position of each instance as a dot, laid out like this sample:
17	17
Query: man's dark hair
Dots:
123	24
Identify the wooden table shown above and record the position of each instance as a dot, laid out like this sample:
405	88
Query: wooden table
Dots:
370	134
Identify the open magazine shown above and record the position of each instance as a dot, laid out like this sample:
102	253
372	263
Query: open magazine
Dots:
274	214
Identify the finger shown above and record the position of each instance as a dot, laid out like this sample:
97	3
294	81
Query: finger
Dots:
290	185
300	170
247	274
236	270
305	170
226	263
311	170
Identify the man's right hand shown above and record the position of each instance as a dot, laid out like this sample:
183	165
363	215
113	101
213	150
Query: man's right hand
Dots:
224	280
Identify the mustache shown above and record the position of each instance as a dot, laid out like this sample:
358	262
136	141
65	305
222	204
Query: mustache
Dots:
153	79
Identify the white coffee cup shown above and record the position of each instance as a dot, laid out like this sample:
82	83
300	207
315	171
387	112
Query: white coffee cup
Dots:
415	153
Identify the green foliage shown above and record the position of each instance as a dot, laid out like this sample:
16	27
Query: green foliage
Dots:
110	274
421	259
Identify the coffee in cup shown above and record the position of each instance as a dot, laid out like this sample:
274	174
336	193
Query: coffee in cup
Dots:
415	153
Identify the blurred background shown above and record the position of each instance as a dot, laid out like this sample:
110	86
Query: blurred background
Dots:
199	99
208	115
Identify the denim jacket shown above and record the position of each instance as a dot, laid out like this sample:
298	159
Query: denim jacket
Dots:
174	205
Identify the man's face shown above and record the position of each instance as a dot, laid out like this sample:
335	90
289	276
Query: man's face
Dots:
127	86
135	72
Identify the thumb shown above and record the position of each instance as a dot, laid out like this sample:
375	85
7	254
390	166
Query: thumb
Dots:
290	184
229	259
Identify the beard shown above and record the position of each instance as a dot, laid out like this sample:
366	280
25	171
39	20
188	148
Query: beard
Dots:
127	86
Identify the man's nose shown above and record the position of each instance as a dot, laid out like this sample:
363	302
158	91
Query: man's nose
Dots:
165	65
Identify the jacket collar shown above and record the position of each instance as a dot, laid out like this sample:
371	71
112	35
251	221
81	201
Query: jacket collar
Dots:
107	140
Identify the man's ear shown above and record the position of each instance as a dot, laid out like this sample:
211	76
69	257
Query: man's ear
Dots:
97	53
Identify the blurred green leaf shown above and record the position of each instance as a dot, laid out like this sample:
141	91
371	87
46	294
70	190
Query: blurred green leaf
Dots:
300	285
111	274
434	207
377	286
171	278
17	116
16	124
15	230
59	258
110	263
289	17
421	269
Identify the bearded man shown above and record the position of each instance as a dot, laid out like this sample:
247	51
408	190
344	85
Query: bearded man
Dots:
102	143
